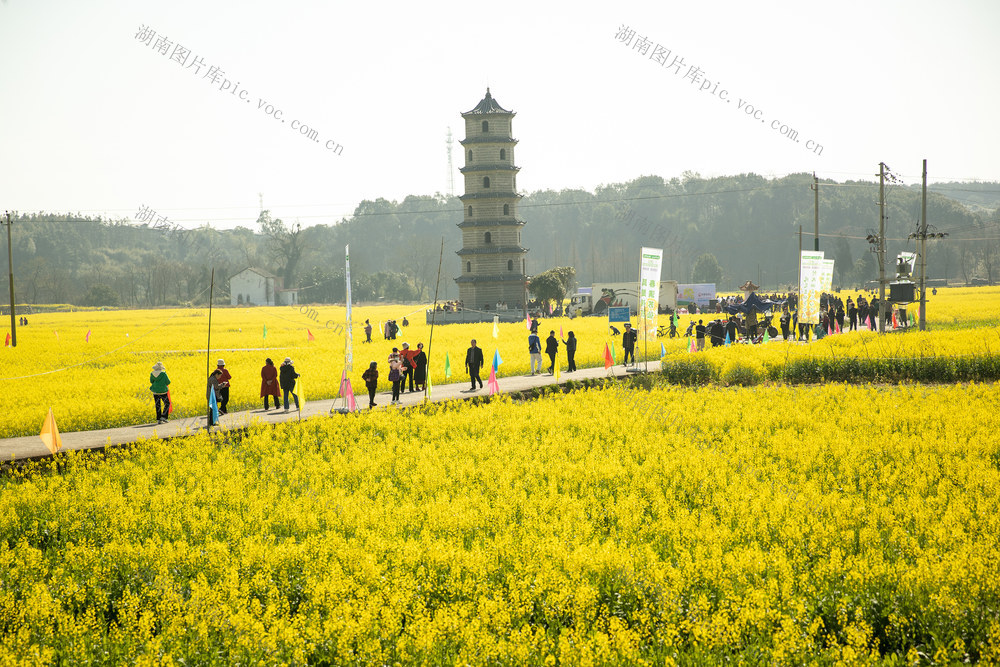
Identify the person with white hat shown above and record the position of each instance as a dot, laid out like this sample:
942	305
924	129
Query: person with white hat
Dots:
158	384
286	378
223	387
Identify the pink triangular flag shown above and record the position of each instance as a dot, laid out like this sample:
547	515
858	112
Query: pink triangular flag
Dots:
351	405
87	337
492	382
560	332
527	322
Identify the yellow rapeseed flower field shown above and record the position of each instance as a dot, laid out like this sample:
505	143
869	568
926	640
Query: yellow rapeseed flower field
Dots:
105	382
830	524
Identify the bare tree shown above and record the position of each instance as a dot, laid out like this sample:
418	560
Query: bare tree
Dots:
283	243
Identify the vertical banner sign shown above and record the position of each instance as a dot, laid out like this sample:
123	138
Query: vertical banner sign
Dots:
650	263
826	276
810	286
348	351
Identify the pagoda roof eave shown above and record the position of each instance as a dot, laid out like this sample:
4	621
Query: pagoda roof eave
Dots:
488	107
487	140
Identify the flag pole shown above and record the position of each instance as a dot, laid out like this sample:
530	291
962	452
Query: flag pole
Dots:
645	324
208	346
430	339
208	351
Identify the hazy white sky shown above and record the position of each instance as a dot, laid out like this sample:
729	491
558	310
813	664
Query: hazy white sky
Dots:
94	120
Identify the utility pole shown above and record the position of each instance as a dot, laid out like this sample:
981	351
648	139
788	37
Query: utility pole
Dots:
881	247
10	277
815	189
798	292
798	289
922	235
923	248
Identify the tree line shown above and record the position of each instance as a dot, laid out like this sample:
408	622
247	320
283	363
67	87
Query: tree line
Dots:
747	224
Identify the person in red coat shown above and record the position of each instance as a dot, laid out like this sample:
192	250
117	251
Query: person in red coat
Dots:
224	388
269	383
406	357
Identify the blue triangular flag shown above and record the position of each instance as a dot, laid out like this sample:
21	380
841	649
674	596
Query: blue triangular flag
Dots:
496	360
663	350
214	405
727	338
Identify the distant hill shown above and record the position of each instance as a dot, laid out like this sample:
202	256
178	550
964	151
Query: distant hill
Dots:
749	222
980	197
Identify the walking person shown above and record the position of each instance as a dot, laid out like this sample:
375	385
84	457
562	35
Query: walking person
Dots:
551	347
716	332
213	391
370	377
535	352
158	384
628	343
395	374
269	384
368	331
224	379
570	344
420	368
474	362
286	380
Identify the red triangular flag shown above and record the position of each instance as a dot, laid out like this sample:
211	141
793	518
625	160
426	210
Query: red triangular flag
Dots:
837	322
170	403
492	382
7	342
607	357
310	333
894	323
351	404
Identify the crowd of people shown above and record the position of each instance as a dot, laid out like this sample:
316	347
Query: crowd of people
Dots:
452	306
217	391
408	367
835	316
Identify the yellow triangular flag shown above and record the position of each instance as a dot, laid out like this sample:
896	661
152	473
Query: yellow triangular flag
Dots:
556	364
50	434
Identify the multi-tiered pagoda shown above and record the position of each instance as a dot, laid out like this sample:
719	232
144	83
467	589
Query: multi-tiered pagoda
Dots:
492	256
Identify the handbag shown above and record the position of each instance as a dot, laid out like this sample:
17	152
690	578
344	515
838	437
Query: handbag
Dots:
394	375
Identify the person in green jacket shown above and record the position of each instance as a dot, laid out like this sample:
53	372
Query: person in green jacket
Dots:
158	384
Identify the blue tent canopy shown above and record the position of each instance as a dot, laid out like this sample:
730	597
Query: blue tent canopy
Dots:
755	302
